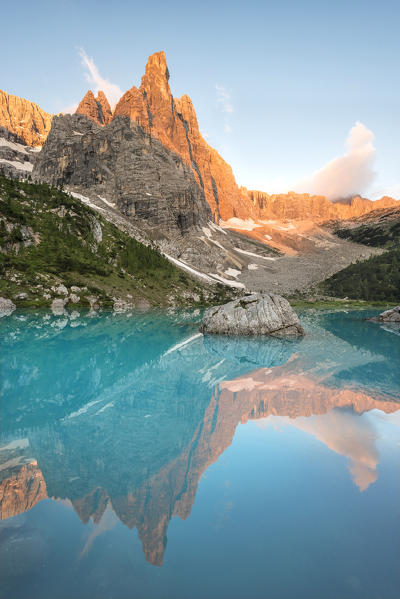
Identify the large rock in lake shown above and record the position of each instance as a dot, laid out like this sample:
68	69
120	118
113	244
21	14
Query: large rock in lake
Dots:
392	315
255	314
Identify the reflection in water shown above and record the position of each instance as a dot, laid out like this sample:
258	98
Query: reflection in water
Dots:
127	417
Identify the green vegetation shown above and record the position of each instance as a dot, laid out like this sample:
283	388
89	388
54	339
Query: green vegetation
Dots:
375	279
48	238
384	233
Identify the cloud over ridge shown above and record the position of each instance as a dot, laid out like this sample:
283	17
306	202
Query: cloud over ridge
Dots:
112	91
349	174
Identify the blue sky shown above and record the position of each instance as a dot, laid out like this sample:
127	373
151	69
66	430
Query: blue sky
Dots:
277	86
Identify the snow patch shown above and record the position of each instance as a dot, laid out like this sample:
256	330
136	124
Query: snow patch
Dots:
252	266
227	281
232	272
217	228
240	223
218	244
253	254
21	166
13	146
86	201
207	232
111	204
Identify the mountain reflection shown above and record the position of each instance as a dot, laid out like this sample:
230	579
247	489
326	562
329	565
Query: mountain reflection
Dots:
122	425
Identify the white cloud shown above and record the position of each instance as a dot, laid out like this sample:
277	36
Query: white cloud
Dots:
225	105
112	91
347	175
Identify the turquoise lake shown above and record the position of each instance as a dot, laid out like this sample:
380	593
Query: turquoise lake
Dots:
139	459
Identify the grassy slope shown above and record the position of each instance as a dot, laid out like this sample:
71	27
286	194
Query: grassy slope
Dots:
47	237
375	279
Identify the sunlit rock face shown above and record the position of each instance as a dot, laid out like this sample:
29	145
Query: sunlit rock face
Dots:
24	119
174	123
133	382
97	109
303	206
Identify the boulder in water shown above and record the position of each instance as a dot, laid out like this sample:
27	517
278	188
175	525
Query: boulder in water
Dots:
392	315
255	314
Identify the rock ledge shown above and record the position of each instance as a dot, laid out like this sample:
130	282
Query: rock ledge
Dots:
255	314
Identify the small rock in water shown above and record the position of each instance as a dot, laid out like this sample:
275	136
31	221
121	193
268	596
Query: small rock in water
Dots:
255	314
7	307
392	315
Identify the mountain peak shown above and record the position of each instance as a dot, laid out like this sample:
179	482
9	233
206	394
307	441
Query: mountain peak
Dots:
97	109
156	77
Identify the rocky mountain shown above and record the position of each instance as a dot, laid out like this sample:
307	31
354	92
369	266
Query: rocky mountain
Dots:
97	109
122	163
26	120
303	206
174	123
146	167
16	159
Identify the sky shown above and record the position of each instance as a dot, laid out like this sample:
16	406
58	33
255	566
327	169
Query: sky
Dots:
300	95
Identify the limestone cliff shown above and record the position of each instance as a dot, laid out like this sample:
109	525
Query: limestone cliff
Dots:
174	123
123	164
303	206
97	109
24	119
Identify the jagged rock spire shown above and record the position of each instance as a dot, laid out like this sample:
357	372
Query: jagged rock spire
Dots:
97	109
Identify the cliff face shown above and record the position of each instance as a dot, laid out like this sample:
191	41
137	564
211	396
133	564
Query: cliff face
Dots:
97	109
174	123
122	163
24	119
296	206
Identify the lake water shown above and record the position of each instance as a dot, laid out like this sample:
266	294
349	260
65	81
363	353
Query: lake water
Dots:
139	459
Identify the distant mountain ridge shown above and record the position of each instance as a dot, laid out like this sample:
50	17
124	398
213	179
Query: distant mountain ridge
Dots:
26	120
174	123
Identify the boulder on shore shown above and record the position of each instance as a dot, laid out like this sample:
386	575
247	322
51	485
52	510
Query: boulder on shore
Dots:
7	307
392	315
254	314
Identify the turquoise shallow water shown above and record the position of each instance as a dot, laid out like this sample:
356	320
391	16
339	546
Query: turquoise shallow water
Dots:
141	459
